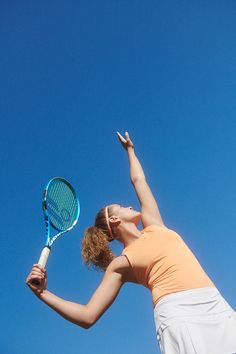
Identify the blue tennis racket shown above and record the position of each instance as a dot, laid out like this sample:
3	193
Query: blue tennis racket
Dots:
61	209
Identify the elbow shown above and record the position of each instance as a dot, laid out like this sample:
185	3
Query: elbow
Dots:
88	325
90	319
84	325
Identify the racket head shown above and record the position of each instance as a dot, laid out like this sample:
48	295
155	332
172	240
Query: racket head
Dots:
61	204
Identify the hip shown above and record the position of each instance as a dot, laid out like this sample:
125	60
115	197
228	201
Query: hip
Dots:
195	321
194	305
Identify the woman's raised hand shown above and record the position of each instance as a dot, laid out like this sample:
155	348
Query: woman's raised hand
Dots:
39	274
126	142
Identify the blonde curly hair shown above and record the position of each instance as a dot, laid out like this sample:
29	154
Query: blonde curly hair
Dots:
95	244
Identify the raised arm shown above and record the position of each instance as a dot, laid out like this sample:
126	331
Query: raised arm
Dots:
82	315
149	208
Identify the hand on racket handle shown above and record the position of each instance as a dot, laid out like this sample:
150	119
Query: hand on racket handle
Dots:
37	279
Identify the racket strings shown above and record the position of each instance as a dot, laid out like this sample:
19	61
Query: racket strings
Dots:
62	205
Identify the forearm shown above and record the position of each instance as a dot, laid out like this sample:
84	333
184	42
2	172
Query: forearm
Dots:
136	170
71	311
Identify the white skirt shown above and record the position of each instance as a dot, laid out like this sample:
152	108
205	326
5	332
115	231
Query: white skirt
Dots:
195	321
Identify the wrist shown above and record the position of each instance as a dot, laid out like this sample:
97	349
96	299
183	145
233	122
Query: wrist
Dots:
130	150
42	294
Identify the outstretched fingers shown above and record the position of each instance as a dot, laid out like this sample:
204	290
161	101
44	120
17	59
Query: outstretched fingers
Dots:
121	137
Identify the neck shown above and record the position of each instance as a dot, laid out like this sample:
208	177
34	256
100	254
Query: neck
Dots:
128	233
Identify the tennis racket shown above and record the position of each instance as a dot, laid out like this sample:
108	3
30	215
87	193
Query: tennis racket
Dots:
61	209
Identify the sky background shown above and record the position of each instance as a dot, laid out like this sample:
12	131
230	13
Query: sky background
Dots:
73	73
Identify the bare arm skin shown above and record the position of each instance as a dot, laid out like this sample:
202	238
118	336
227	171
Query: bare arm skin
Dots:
83	315
149	208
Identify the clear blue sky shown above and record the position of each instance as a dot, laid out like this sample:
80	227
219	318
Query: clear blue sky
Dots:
72	74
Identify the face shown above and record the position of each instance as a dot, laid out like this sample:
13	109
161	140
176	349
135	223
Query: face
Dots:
127	214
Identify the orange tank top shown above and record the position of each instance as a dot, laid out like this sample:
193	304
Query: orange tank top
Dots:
162	262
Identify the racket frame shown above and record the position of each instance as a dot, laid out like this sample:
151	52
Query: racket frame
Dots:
49	241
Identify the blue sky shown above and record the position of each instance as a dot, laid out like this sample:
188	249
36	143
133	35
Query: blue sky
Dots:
72	74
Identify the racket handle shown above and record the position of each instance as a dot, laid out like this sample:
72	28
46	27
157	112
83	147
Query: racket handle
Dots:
44	256
43	260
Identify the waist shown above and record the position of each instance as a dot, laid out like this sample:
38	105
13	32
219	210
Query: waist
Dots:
178	284
190	305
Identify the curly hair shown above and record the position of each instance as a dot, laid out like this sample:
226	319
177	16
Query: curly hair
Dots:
95	244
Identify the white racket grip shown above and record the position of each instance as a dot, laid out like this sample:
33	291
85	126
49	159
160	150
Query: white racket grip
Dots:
44	256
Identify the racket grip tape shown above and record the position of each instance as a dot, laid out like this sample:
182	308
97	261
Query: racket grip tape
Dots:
44	256
43	260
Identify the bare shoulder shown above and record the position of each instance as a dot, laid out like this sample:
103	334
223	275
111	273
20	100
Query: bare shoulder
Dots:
122	266
119	264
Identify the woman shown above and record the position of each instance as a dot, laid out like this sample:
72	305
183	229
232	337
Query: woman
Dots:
191	316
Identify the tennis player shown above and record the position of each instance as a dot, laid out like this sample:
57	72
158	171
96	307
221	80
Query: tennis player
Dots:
191	316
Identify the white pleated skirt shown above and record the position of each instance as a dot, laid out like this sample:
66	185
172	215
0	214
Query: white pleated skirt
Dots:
196	321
